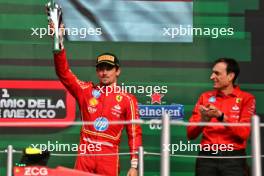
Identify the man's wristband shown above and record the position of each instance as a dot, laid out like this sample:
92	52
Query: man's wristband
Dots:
221	117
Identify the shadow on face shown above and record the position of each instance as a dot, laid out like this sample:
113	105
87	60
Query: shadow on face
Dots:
107	73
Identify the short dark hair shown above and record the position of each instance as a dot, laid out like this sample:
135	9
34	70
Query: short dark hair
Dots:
232	66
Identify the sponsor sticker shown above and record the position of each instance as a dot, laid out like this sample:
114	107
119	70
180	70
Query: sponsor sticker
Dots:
156	111
238	100
119	98
212	99
93	102
117	107
235	108
96	93
101	124
92	109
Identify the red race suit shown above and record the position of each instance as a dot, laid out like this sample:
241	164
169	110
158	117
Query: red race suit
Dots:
238	107
101	107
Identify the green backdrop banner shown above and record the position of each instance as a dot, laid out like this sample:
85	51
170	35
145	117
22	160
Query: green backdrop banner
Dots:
183	67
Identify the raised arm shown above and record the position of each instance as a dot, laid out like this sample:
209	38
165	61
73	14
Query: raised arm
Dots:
68	79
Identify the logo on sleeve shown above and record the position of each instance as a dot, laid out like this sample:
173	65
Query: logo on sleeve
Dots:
101	124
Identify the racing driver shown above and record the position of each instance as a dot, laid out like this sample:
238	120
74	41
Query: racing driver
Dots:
101	107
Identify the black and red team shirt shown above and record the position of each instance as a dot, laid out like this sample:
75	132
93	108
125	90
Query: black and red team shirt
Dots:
97	106
238	107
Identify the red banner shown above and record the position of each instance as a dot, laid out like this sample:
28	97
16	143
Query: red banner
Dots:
35	104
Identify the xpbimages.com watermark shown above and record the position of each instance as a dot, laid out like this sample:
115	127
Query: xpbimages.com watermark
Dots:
197	31
189	147
64	147
82	32
138	89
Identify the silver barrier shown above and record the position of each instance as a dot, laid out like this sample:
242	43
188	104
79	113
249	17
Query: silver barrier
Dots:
141	161
255	146
125	122
9	160
165	140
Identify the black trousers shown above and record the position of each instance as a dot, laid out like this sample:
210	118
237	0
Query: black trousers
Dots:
222	167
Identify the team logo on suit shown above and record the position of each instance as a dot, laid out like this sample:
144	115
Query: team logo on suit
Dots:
101	124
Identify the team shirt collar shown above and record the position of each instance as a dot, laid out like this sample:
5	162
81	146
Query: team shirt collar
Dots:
235	93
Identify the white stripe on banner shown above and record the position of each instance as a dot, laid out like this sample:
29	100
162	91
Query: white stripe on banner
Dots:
123	20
